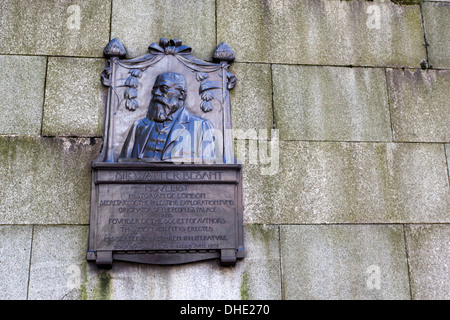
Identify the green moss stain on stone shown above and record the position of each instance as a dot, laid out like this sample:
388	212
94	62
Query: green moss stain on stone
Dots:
264	235
83	287
261	274
406	2
103	290
84	273
244	286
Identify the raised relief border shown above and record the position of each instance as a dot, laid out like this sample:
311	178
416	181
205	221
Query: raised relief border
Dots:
166	188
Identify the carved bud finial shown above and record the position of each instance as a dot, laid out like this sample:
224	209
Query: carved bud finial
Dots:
223	53
114	49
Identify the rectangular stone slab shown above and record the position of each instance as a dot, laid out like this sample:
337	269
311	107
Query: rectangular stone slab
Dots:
322	32
61	27
344	182
22	81
45	180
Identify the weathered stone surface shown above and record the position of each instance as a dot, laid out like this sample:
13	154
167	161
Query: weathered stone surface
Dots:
322	32
255	277
261	277
429	259
436	18
59	271
45	180
252	98
331	103
419	104
54	27
73	98
58	263
344	262
330	182
15	246
137	24
22	90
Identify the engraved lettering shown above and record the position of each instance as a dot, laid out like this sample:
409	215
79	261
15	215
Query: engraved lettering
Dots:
167	175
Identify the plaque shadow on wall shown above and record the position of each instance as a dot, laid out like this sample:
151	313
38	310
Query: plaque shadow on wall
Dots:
166	188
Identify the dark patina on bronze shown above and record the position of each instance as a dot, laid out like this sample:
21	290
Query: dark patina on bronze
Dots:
166	188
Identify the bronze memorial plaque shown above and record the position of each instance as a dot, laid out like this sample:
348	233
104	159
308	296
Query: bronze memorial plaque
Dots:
166	188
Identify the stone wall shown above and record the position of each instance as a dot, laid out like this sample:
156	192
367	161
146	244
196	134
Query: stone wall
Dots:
354	202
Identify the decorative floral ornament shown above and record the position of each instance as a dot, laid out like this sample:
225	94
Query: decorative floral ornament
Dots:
130	94
205	91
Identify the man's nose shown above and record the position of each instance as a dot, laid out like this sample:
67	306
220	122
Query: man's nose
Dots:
157	92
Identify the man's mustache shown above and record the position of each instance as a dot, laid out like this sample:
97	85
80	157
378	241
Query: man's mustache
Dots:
161	100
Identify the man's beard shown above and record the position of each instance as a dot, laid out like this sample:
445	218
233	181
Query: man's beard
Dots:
161	108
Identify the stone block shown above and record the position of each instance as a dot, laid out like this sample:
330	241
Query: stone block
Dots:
137	24
73	97
436	18
344	262
429	259
251	98
332	182
45	180
54	27
59	271
15	249
22	81
419	104
331	103
58	263
322	32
